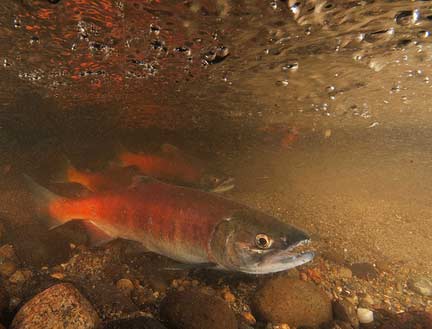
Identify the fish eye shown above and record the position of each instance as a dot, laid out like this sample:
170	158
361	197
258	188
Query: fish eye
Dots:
263	241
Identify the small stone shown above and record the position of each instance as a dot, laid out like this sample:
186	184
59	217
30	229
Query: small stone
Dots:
125	285
17	278
7	269
285	300
364	315
57	275
143	296
60	306
194	310
420	285
366	301
344	273
364	271
135	323
281	326
7	252
346	312
228	296
248	318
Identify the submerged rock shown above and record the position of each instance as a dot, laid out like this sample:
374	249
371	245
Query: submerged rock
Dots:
298	303
195	310
345	311
420	285
135	323
60	306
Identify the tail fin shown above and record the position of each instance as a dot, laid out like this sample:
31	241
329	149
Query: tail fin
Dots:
42	199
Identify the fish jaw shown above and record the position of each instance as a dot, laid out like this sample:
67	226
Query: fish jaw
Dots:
225	186
282	260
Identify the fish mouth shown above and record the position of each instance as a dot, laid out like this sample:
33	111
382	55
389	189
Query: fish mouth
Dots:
282	260
224	186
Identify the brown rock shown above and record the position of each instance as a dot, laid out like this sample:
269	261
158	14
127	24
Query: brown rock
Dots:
60	306
195	310
345	311
7	269
125	285
298	303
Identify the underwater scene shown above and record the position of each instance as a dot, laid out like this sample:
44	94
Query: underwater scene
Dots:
225	164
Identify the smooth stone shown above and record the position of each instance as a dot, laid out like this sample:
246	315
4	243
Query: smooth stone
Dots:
192	309
420	285
364	315
135	323
60	306
7	269
298	303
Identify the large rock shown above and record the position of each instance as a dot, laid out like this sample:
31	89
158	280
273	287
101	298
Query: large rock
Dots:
59	307
195	310
135	323
297	303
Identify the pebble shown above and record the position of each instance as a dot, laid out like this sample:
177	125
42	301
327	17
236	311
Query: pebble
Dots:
191	309
285	300
125	285
141	322
344	273
17	278
364	271
57	275
248	318
364	315
366	301
7	269
345	311
60	306
228	296
7	252
420	285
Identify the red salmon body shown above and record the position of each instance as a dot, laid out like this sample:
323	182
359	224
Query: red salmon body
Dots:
167	219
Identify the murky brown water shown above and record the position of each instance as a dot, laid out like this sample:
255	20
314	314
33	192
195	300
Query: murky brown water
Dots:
320	109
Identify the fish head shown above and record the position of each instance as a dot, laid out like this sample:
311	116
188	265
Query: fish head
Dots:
252	242
217	182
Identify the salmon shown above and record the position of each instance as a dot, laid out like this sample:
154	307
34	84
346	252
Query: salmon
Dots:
169	164
184	224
